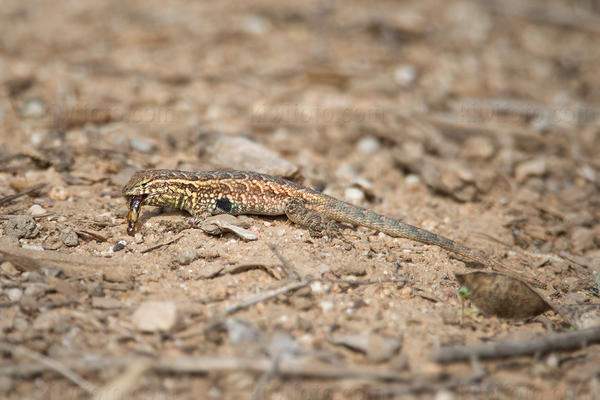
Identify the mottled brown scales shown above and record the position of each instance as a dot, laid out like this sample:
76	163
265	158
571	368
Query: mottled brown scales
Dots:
240	192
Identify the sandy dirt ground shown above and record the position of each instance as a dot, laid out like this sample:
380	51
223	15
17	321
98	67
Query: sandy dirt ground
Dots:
476	120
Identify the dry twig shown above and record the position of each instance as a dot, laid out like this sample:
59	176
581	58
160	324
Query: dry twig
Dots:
49	363
124	384
511	348
158	246
296	366
291	272
257	298
31	189
71	264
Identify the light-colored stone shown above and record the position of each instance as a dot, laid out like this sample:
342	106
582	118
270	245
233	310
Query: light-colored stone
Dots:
243	154
368	145
187	256
354	195
535	167
105	302
36	210
405	75
69	237
583	238
155	316
14	294
58	193
8	268
33	108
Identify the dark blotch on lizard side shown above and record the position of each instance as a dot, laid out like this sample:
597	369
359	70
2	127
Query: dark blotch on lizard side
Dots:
224	204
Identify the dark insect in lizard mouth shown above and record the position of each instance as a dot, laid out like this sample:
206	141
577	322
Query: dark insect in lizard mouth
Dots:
135	206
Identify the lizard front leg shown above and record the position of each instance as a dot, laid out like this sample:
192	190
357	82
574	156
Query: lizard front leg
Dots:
199	212
318	225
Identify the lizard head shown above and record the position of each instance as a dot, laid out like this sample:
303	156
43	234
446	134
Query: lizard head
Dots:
146	187
151	183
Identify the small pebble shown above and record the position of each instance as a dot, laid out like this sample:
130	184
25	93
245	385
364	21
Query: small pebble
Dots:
95	289
317	287
405	75
8	268
155	316
583	238
33	108
6	385
354	195
326	306
58	193
35	289
120	245
69	237
50	320
36	209
187	256
478	148
120	274
412	179
241	331
368	145
244	154
444	394
32	276
142	145
105	303
21	324
535	167
33	247
14	294
583	218
256	24
553	361
378	348
588	173
51	270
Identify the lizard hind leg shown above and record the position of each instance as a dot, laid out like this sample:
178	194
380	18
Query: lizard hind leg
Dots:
318	225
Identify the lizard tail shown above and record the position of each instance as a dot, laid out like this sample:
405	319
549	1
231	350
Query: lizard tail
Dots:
349	213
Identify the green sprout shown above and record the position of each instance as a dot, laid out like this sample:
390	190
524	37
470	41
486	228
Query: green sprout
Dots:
464	292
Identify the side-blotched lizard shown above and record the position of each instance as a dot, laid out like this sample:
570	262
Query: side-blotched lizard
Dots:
241	192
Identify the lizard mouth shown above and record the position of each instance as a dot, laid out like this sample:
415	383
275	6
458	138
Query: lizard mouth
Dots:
135	206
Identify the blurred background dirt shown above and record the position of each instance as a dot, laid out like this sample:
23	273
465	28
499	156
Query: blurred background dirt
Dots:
479	120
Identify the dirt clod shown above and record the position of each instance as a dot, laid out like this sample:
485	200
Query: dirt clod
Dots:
21	226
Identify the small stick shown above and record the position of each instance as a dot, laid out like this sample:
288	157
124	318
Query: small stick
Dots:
265	378
71	264
93	235
158	246
294	366
256	298
9	216
291	272
511	348
21	193
124	384
55	366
